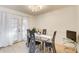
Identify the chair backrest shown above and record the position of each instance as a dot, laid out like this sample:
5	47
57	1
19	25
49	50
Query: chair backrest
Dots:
53	42
32	42
28	34
34	30
44	31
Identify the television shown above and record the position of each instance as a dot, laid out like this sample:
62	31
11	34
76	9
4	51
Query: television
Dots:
71	35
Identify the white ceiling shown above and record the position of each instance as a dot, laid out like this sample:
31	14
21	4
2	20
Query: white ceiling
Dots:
25	9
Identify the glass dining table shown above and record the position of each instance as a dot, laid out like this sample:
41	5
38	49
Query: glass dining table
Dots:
43	39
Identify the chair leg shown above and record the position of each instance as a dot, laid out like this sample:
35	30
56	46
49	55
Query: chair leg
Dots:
43	46
51	50
48	50
40	46
44	49
27	44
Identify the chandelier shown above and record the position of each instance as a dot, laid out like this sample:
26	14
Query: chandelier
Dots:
36	8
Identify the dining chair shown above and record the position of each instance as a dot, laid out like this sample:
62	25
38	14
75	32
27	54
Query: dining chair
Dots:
51	45
32	43
32	36
36	42
44	31
28	37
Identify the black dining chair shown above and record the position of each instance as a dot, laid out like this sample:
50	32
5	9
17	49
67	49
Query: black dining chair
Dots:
32	47
32	43
44	31
51	46
36	42
28	37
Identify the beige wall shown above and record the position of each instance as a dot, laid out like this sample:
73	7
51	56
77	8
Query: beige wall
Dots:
60	20
31	22
78	23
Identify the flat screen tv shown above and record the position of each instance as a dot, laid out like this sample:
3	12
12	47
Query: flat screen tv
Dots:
71	35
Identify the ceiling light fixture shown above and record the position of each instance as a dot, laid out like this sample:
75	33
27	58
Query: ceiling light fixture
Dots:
36	8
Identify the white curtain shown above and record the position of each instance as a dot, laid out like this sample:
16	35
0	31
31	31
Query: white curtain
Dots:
24	28
3	30
12	28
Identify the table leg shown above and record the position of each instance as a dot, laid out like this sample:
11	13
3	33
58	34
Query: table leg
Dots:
44	46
